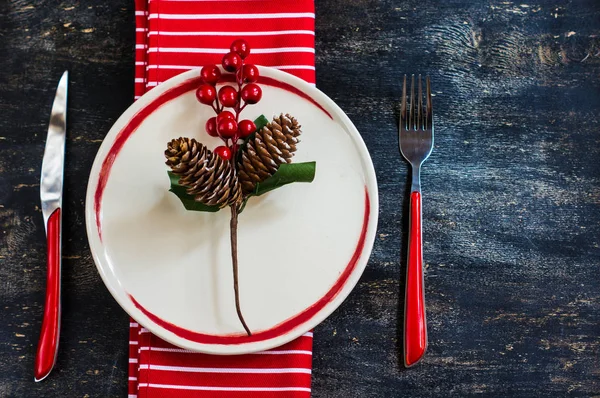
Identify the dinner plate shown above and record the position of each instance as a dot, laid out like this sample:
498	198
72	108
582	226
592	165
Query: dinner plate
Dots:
302	248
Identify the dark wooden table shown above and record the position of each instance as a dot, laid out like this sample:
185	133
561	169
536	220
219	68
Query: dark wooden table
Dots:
511	194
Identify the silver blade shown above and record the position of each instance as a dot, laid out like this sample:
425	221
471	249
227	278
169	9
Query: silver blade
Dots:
51	184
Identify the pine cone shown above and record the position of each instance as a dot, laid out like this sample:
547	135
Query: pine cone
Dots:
273	145
208	178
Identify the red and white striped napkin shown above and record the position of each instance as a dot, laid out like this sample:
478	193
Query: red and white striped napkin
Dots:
173	36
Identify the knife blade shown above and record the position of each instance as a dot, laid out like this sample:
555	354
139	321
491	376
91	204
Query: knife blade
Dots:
51	189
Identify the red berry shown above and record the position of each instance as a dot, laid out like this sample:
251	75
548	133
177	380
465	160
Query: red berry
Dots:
211	127
232	62
251	93
246	128
241	47
206	94
223	152
250	73
228	96
227	128
225	115
210	74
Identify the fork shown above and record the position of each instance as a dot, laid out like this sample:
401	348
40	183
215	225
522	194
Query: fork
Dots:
416	143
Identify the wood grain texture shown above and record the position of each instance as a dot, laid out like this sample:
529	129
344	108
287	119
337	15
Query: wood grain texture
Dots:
511	194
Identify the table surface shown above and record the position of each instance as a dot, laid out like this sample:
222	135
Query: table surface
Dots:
511	194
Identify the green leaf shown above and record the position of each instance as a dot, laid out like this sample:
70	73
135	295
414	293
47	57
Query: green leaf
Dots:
261	122
287	173
186	199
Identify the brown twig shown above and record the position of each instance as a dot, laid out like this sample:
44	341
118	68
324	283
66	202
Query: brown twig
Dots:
234	260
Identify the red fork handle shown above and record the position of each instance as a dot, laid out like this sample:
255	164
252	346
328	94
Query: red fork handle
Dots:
415	325
48	343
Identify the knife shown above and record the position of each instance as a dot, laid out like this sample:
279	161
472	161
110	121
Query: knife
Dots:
51	188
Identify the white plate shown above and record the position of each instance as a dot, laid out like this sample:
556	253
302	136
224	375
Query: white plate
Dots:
302	248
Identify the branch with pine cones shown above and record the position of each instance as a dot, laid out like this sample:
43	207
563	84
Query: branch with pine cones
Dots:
255	159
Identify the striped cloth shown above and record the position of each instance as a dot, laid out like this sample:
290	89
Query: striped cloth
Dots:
173	37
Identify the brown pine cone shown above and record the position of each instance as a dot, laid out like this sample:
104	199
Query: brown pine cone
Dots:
273	145
210	179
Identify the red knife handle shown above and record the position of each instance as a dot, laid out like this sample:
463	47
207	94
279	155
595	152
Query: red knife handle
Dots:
415	325
48	343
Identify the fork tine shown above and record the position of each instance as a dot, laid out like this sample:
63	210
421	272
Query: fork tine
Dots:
419	121
403	107
411	121
429	115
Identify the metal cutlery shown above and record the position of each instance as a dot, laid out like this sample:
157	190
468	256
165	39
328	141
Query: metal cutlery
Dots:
51	189
416	144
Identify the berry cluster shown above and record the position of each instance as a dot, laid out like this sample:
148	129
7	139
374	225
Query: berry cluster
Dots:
226	124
